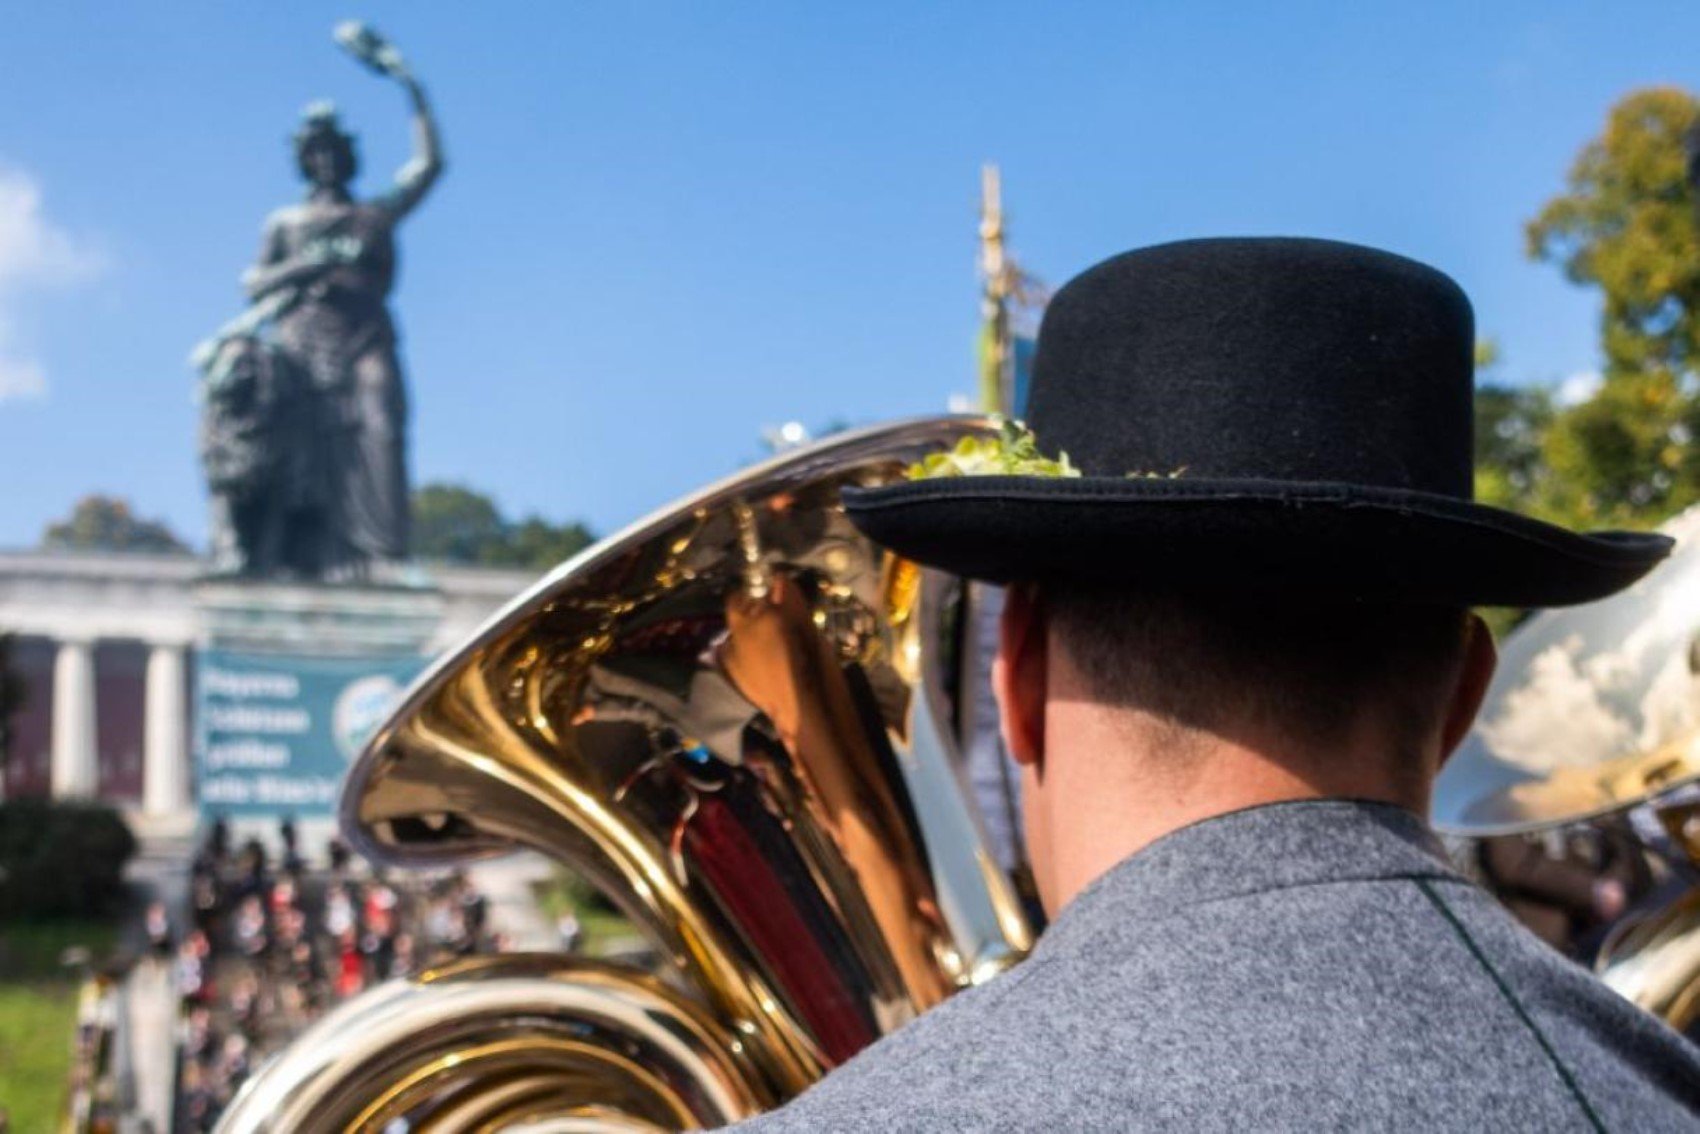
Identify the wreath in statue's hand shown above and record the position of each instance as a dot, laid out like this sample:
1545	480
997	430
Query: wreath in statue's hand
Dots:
366	44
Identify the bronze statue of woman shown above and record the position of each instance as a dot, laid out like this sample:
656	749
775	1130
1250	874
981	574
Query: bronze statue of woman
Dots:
324	273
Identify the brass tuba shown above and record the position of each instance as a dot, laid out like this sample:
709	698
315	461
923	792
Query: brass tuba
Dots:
1653	957
732	719
1595	713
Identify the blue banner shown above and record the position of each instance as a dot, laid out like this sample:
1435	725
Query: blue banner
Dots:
1021	350
274	734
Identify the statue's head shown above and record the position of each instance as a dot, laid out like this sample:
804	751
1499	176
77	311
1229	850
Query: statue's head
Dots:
324	152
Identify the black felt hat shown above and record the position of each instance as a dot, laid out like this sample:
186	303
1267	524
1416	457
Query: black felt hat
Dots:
1281	414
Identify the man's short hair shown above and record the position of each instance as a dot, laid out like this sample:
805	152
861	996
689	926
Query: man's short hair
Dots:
1308	667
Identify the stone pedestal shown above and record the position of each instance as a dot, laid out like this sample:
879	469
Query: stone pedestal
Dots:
292	678
315	619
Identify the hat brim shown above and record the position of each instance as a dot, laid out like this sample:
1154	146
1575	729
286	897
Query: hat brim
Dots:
1327	539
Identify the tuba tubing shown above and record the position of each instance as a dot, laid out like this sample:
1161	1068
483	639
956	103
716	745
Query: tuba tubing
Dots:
507	1042
732	719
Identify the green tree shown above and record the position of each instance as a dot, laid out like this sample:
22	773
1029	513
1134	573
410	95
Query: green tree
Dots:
105	523
61	858
535	542
1511	429
1512	423
1626	224
456	524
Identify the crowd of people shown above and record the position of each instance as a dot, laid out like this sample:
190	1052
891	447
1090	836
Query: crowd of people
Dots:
272	945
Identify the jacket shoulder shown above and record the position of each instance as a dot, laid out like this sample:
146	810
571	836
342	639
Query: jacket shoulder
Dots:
923	1076
1346	1005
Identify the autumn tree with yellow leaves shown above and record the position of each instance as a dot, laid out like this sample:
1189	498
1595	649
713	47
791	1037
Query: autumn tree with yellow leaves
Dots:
1626	224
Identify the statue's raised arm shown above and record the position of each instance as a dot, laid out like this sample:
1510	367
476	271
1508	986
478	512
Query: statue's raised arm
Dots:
415	178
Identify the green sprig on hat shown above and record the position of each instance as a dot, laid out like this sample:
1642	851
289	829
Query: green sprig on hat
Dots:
1013	452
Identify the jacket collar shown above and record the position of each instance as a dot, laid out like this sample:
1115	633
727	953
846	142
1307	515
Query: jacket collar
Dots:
1271	847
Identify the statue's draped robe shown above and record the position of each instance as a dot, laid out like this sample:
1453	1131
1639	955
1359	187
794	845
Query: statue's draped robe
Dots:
338	330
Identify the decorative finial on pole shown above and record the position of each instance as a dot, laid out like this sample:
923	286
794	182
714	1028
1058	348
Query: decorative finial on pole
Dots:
993	263
1009	297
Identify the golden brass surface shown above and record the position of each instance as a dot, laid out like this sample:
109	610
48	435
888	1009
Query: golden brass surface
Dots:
1681	822
1590	792
730	719
1654	961
508	1042
1594	709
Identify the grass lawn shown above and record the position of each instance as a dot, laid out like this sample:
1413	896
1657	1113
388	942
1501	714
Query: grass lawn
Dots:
36	1026
602	927
38	1015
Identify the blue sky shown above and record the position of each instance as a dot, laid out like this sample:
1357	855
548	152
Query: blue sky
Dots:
665	226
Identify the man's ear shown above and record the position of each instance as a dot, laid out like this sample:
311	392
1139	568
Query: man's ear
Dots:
1480	658
1019	675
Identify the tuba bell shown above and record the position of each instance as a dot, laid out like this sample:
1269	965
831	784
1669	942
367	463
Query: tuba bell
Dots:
1594	718
733	719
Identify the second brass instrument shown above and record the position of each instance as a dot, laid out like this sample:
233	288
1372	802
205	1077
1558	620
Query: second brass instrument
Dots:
1595	711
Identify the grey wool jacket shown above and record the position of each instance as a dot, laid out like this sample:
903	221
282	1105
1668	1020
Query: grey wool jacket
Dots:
1300	966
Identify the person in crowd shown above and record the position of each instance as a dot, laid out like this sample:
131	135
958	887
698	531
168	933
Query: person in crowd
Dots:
247	1002
204	897
339	910
249	927
285	895
200	1038
442	921
475	907
157	924
199	1102
218	841
336	852
403	960
292	863
191	968
351	966
234	1060
252	868
568	930
378	916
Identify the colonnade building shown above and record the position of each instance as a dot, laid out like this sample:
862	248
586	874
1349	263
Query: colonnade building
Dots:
106	644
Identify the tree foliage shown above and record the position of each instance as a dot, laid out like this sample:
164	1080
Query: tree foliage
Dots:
1511	427
61	859
455	524
535	542
1626	224
105	523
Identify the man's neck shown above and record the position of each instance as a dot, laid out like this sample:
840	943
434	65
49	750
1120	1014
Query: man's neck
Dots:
1113	789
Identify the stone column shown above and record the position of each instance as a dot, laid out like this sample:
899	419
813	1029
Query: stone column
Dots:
76	766
165	733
